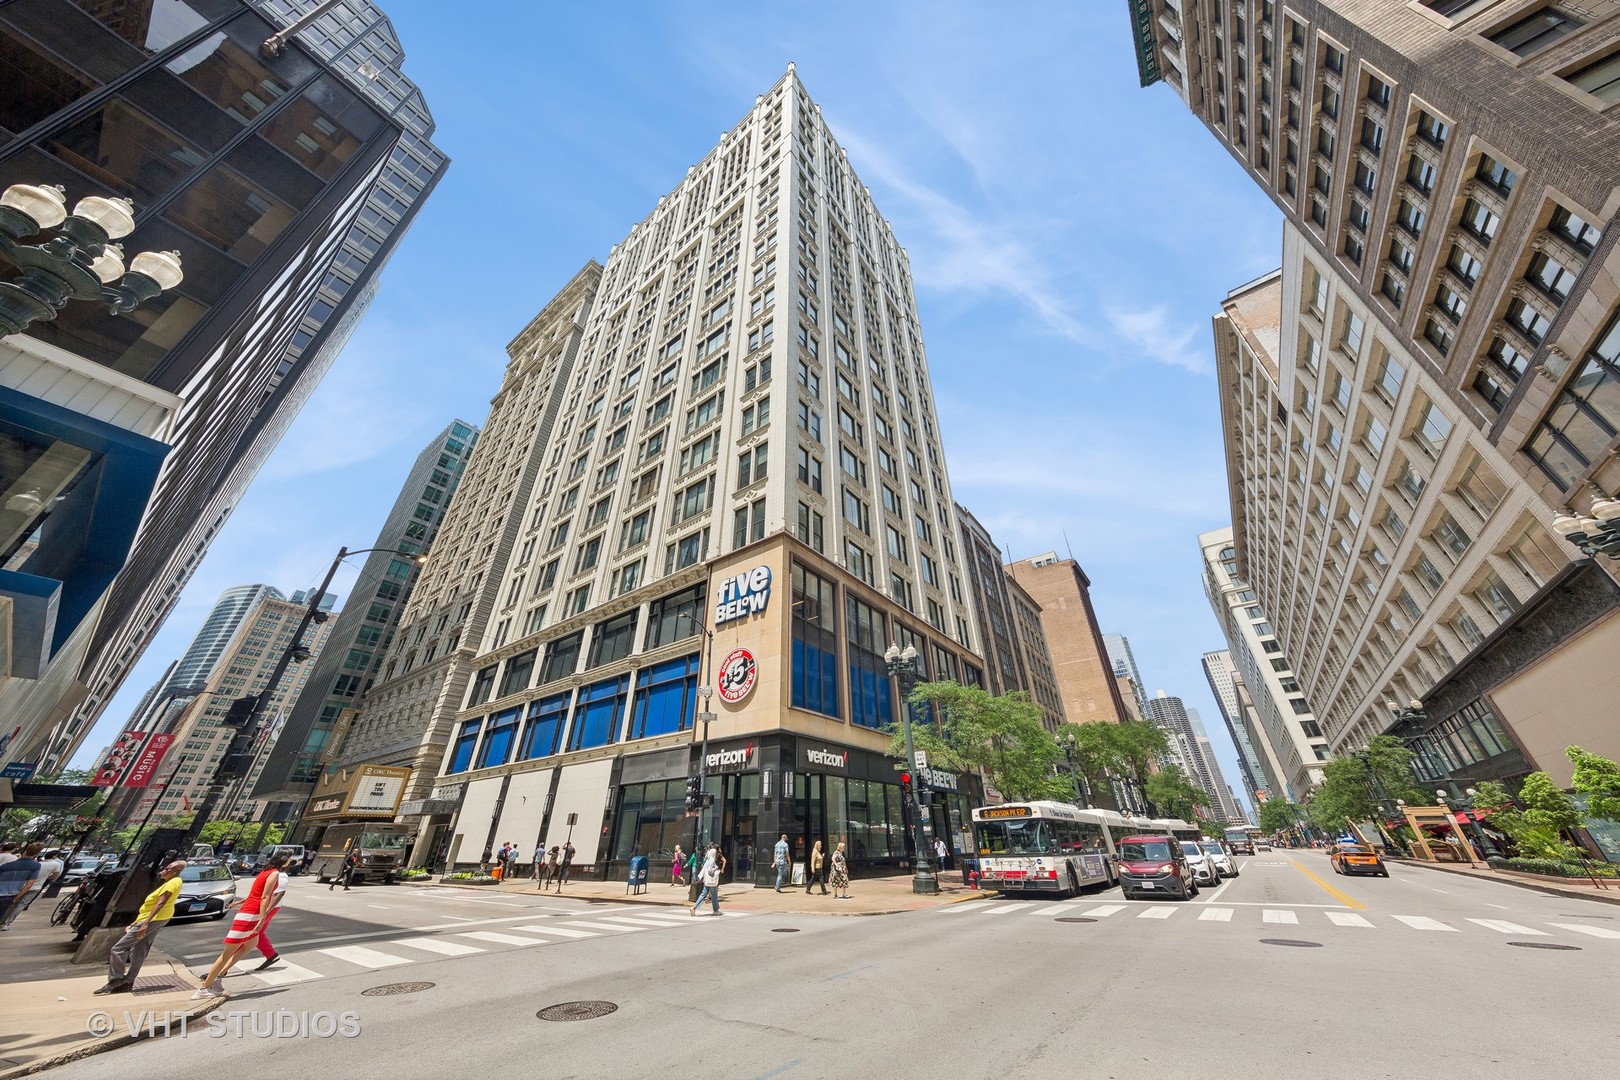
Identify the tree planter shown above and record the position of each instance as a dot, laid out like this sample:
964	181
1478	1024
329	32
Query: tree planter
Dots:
468	881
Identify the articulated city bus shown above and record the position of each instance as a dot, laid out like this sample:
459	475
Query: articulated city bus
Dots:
1054	848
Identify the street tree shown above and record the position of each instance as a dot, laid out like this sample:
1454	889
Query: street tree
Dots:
1598	778
1175	794
1279	815
24	823
1003	736
1362	786
1537	824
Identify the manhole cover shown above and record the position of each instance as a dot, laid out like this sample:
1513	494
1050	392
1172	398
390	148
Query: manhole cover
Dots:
1291	943
577	1010
1074	918
392	989
785	930
1544	945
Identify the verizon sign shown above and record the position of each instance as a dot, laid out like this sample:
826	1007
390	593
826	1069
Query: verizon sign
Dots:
740	759
821	758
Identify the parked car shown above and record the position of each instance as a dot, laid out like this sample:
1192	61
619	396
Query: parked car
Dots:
1153	865
207	890
1356	859
1225	865
83	866
1203	867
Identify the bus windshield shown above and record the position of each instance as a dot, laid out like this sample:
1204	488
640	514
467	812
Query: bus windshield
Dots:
1014	838
385	841
1237	836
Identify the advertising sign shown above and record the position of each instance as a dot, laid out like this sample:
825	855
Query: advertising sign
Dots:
738	672
378	792
743	595
125	750
140	774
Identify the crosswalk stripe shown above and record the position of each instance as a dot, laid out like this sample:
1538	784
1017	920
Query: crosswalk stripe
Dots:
284	974
1347	918
1104	911
1592	931
436	945
1276	915
960	906
669	915
999	909
599	925
1157	913
364	957
1215	914
1423	922
642	924
1502	926
501	939
557	931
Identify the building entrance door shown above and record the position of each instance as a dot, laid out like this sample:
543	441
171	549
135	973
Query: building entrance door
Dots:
739	802
810	821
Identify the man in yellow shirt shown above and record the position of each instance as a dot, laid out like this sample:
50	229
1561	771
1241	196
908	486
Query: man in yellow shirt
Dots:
124	963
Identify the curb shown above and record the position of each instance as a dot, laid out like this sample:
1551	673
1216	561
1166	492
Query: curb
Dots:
118	1039
1546	889
977	894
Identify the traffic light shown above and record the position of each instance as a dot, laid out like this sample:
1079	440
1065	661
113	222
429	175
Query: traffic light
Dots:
905	787
694	793
925	796
240	711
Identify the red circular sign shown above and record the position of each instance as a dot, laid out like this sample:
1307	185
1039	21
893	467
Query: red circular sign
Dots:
737	674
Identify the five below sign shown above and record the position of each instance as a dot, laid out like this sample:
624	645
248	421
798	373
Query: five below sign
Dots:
743	595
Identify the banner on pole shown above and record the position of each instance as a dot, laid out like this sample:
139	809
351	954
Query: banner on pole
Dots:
140	774
125	750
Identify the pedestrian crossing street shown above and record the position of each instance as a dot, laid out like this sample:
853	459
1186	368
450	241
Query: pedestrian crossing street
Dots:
304	965
1265	915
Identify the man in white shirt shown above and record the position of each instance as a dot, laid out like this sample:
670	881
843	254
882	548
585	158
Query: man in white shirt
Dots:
50	868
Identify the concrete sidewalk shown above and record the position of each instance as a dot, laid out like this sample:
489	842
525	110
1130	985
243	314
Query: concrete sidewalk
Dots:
1581	888
49	1003
868	896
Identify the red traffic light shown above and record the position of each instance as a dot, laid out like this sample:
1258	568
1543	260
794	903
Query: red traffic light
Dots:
905	778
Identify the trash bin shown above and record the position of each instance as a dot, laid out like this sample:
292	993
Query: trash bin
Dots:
637	881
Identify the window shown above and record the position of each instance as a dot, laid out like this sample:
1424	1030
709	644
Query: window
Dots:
1528	318
612	640
695	499
1400	256
1586	415
666	697
1452	304
562	656
1378	91
1451	535
856	511
686	551
634	531
1410	218
810	421
815	643
1574	228
752	465
577	601
1496	174
675	617
1372	135
1479	220
871	700
1354	249
810	470
1433	130
1372	437
599	713
1354	328
756	416
466	739
1429	575
1463	264
1393	288
1439	335
1601	79
748	524
1393	525
1409	483
586	556
483	686
811	528
1537	556
1536	32
1496	598
1551	276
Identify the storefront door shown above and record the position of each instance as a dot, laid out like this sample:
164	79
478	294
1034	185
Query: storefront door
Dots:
810	820
739	804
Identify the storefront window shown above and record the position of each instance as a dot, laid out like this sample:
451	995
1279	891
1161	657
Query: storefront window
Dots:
461	756
545	725
601	708
498	743
665	695
815	643
894	820
652	820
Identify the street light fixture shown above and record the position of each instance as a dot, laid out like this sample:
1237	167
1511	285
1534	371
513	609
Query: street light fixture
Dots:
705	693
1598	534
902	664
80	262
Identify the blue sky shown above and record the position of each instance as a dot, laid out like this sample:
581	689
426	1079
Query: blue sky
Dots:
1070	235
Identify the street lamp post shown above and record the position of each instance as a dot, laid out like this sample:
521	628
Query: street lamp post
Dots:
80	262
237	761
705	692
1080	786
902	664
1598	534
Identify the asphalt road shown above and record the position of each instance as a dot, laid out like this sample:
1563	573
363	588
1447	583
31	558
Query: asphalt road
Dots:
1414	976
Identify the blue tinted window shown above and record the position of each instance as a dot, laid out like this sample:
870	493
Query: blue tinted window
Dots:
596	719
461	757
544	731
664	697
498	743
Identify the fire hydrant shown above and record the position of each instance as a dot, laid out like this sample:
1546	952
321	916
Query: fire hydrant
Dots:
973	880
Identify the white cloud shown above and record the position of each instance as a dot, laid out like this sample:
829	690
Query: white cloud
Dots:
1154	333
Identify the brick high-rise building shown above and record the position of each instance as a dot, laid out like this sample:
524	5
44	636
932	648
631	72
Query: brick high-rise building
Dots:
1085	675
1433	374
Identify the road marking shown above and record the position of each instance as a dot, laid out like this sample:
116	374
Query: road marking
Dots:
1331	891
642	924
1216	895
598	925
366	958
380	907
961	906
1215	914
502	939
557	931
1104	911
1594	931
284	974
1275	915
436	945
1501	926
1423	922
670	915
999	909
1347	918
1157	913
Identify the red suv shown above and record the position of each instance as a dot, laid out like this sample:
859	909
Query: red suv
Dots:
1153	865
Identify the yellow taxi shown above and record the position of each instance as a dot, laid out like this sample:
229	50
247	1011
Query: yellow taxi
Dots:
1356	859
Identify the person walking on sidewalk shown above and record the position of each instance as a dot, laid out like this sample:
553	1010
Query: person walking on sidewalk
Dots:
567	862
129	952
251	926
346	875
539	863
814	871
51	865
677	867
782	860
551	866
941	853
17	878
840	873
709	879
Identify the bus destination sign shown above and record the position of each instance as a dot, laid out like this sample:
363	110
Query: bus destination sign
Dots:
1004	811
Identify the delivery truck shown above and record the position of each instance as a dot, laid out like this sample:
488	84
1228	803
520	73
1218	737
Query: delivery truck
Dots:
382	847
